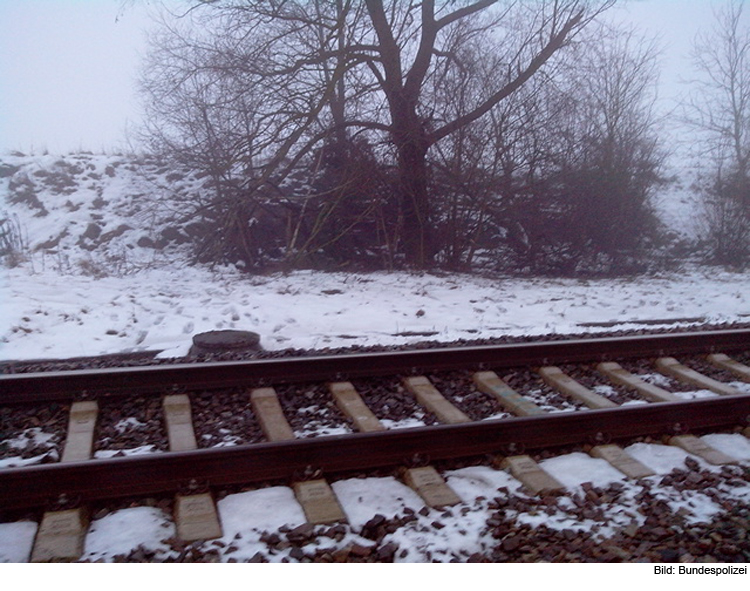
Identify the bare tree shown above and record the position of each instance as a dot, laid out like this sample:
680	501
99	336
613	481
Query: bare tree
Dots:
338	67
720	109
402	66
559	177
244	95
615	156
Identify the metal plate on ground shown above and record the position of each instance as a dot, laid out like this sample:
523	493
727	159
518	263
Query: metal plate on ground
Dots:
217	341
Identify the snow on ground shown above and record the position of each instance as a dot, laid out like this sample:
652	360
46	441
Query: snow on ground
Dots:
50	315
100	266
29	438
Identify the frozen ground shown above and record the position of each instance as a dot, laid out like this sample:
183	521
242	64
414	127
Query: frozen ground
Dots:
47	314
98	265
50	315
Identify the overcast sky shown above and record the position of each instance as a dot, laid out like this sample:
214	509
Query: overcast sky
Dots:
66	73
67	66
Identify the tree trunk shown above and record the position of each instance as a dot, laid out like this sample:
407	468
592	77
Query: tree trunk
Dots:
415	203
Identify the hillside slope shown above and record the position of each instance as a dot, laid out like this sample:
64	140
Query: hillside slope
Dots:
94	214
115	214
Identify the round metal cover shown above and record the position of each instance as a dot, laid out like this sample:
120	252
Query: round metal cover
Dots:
220	340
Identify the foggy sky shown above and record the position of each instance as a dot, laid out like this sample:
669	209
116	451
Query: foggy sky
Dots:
66	73
67	66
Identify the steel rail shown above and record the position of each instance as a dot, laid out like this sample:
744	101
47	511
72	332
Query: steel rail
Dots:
67	385
246	464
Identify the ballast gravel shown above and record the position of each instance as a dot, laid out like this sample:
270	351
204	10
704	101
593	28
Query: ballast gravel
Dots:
689	513
693	513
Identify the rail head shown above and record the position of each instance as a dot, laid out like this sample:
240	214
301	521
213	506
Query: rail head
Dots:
253	463
68	385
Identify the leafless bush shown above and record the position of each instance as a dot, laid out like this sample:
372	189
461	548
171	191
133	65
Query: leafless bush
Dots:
719	109
256	90
14	245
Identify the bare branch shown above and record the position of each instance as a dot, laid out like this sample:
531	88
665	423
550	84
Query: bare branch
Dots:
555	43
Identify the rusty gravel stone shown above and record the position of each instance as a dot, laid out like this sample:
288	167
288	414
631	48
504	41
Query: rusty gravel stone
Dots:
17	422
387	552
224	417
310	408
128	423
389	401
459	389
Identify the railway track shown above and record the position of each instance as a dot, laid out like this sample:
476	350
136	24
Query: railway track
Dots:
609	407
